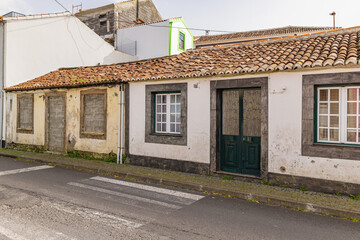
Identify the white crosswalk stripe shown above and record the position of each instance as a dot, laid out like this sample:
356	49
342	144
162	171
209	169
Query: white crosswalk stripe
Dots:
150	188
137	195
141	199
23	170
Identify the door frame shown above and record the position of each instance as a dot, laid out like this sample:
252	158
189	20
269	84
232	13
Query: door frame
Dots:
216	88
47	95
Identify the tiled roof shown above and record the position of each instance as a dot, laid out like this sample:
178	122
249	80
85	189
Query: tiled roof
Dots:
326	49
283	31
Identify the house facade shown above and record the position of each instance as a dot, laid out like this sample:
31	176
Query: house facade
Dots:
65	120
158	39
107	19
42	43
284	111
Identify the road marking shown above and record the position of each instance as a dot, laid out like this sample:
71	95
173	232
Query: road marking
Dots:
10	234
22	170
141	199
86	213
150	188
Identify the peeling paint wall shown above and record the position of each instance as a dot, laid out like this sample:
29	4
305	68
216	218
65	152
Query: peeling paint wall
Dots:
72	121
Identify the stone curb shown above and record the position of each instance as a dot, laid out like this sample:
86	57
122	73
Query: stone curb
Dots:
272	201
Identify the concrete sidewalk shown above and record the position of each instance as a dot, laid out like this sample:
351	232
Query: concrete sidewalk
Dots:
340	206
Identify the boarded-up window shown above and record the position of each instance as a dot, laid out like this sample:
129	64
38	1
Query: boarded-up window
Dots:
93	114
252	112
231	110
25	113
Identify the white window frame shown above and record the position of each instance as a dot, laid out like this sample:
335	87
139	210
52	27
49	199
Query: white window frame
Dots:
343	116
168	113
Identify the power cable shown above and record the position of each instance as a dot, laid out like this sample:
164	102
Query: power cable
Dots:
62	5
150	24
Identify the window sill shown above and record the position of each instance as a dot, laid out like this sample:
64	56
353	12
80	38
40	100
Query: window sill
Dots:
24	130
93	135
166	134
336	145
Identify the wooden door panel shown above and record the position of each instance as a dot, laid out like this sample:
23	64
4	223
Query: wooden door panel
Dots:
240	138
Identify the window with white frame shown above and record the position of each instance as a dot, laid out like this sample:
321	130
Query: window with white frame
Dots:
168	113
338	114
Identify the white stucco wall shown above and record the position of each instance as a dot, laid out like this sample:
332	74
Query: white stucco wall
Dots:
285	111
144	41
176	27
36	46
285	114
198	141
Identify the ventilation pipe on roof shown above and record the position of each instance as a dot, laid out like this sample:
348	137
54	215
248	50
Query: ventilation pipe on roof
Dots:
137	11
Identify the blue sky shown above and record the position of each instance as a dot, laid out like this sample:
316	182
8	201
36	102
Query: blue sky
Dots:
227	15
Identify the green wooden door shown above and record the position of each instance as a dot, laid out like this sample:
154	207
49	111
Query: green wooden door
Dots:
240	131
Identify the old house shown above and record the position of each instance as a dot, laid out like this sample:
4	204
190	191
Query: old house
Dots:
157	39
284	111
107	19
255	35
39	44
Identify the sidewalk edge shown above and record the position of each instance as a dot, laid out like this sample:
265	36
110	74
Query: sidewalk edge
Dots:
306	207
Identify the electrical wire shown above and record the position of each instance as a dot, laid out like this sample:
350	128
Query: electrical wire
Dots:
150	24
62	5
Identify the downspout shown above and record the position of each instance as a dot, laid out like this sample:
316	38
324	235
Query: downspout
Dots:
2	85
121	126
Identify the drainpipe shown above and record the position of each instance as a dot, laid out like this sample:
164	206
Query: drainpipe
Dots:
2	86
121	126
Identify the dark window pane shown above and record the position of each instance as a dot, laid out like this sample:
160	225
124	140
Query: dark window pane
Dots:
323	95
334	134
351	122
178	128
352	94
334	95
334	121
323	108
351	136
351	108
323	121
334	108
172	127
323	134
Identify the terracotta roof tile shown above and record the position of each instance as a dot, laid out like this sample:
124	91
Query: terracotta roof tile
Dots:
337	48
257	34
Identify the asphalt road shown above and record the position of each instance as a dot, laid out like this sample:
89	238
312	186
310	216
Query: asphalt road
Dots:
44	202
